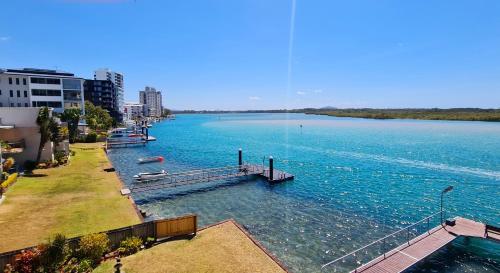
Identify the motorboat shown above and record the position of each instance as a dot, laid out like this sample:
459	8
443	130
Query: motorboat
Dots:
150	159
135	135
150	176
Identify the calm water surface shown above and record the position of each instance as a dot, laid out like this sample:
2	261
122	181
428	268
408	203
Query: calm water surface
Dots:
355	180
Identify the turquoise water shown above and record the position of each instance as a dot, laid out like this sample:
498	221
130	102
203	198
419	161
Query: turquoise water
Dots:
355	180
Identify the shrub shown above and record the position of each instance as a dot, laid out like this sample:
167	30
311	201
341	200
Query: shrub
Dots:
29	166
54	253
9	163
93	247
9	181
130	245
60	157
27	261
91	137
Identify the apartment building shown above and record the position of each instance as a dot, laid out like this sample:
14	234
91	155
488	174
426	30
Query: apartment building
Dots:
152	101
103	93
133	110
116	78
31	87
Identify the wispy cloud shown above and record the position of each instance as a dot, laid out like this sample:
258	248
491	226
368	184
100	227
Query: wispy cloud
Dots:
301	93
254	98
317	91
4	38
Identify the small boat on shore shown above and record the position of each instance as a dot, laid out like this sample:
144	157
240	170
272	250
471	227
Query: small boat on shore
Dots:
150	159
150	176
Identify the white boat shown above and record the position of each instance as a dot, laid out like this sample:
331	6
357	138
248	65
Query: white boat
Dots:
151	176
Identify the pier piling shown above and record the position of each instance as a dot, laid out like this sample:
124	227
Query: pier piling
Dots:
271	168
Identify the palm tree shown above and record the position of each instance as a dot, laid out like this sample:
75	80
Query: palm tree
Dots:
43	120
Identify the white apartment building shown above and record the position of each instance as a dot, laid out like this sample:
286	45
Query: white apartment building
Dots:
152	101
116	78
30	87
133	110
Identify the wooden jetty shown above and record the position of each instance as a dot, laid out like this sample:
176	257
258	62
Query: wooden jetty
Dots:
414	250
211	175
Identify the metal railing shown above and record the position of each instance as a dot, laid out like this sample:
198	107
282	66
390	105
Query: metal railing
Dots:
196	176
384	250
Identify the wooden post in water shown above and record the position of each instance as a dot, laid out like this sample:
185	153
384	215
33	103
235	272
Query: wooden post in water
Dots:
240	157
271	168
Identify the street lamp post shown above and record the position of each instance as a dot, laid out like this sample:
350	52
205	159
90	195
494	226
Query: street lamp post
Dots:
448	189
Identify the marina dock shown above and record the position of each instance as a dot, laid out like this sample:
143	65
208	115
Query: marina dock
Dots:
415	250
171	180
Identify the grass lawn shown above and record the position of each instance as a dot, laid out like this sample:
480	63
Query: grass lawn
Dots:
76	199
221	248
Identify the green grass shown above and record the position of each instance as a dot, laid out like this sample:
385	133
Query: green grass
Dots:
76	199
223	248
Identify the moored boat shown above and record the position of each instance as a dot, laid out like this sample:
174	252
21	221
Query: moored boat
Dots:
150	159
150	176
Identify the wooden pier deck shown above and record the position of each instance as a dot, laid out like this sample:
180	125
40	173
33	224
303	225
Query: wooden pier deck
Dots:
415	250
207	175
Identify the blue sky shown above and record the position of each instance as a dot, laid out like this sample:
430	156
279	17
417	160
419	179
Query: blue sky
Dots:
223	54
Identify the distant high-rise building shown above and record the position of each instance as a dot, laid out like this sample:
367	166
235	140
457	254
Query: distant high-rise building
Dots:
116	78
32	87
103	93
152	102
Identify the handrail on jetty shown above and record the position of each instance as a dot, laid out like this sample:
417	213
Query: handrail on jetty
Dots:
415	249
384	239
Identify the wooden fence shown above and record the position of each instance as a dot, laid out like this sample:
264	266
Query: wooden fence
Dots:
157	229
177	226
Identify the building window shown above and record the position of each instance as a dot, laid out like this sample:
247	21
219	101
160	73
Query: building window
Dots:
18	93
10	80
33	104
25	104
24	81
45	92
45	81
1	104
0	92
11	93
18	104
11	104
17	81
25	93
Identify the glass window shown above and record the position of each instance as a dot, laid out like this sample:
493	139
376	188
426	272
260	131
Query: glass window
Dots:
11	104
72	84
11	93
17	81
18	93
0	92
25	93
25	104
1	104
45	81
24	81
18	104
33	104
10	80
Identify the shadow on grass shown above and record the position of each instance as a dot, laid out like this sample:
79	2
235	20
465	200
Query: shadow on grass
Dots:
35	175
